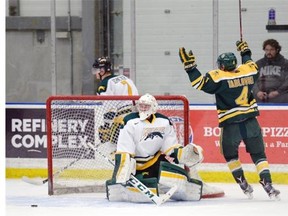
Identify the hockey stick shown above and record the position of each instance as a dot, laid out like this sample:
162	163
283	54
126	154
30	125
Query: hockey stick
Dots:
158	200
240	20
41	181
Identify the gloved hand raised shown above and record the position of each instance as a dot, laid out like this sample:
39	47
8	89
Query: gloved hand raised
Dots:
242	46
188	60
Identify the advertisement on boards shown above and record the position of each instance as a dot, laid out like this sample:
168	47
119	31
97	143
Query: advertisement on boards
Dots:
274	128
26	133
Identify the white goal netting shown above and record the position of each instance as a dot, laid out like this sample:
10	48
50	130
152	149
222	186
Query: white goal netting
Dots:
76	122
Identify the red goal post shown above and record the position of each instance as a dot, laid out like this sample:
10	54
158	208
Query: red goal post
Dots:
75	121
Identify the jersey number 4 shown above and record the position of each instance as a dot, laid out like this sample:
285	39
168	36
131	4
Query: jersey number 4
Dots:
243	97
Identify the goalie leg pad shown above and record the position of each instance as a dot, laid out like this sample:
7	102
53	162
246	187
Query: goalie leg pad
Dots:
208	190
212	191
124	167
127	193
188	189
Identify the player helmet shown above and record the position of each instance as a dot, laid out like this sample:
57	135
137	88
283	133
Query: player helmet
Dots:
227	60
147	105
103	62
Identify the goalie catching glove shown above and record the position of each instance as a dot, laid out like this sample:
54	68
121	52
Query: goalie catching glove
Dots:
190	155
188	60
243	48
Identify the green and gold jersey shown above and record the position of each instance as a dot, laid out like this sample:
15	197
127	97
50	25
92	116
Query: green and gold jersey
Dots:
232	89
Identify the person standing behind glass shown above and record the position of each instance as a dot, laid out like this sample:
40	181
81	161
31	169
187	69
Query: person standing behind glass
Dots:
272	84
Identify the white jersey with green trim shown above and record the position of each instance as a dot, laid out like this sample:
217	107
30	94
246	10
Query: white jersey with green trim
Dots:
143	139
117	85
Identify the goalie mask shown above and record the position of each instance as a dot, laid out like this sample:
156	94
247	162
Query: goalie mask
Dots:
147	105
227	61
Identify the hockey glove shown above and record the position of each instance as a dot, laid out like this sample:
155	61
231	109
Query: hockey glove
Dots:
242	46
190	155
188	60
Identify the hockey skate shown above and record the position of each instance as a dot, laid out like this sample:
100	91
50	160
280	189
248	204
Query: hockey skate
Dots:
247	189
270	190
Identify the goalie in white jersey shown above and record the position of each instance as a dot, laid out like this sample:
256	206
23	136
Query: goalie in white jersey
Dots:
148	148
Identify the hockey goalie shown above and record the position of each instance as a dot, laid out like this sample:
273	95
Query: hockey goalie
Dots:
148	149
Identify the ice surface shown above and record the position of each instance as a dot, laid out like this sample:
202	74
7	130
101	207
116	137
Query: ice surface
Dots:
20	196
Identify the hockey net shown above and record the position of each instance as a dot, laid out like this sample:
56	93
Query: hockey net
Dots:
73	122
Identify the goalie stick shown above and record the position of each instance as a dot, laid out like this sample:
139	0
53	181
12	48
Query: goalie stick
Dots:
41	181
158	200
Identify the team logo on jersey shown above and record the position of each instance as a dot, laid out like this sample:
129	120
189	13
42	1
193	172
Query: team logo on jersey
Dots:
154	134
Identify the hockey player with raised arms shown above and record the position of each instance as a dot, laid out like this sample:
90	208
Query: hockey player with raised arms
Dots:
148	148
237	111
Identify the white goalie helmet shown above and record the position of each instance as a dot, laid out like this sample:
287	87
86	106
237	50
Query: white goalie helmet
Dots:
147	105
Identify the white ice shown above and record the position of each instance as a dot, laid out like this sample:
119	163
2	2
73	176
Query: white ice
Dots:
20	196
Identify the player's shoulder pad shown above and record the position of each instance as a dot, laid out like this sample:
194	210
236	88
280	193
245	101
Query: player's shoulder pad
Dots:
252	64
112	76
216	75
159	115
248	68
130	116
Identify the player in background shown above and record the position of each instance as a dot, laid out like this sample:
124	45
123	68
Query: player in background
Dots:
111	84
148	147
237	110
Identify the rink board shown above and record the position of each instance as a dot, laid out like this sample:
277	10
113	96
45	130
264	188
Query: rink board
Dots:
29	158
